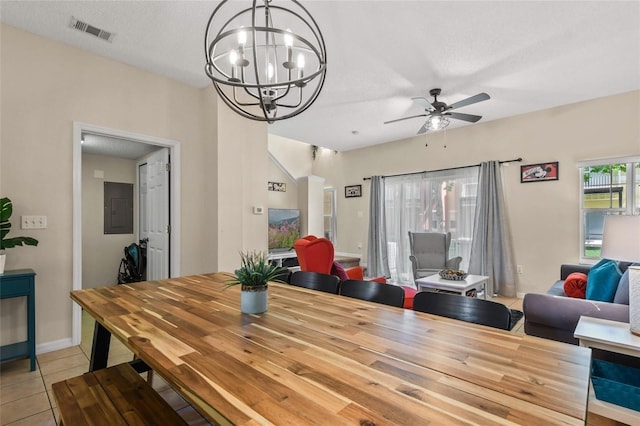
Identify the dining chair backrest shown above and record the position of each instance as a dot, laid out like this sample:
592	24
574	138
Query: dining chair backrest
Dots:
469	309
373	291
315	281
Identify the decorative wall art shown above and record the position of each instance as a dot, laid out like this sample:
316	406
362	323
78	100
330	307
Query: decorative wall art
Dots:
277	186
353	191
539	172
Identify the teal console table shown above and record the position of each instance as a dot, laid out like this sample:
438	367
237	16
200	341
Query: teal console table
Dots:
19	283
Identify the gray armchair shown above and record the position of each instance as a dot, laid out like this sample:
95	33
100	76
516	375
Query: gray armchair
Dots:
430	252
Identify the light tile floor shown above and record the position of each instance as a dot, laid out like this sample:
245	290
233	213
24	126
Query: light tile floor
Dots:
26	398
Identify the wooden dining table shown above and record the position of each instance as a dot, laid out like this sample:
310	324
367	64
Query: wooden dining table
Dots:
317	358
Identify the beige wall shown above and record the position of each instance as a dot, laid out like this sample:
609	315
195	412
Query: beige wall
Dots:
242	178
544	216
101	253
46	87
294	156
282	200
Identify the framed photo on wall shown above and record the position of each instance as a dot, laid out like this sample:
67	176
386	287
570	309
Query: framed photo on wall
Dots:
277	186
539	172
353	191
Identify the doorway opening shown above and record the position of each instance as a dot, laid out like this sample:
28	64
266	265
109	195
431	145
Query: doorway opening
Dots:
171	148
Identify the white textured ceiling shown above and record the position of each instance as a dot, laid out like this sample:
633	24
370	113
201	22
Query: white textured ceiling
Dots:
115	147
527	56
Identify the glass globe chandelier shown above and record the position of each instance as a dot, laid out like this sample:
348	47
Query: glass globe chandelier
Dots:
267	62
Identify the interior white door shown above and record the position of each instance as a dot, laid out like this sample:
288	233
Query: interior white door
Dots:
154	220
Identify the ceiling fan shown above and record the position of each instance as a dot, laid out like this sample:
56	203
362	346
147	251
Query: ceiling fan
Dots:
438	113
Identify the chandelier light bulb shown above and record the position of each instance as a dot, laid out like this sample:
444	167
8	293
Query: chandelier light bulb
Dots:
288	38
233	57
270	71
242	37
300	61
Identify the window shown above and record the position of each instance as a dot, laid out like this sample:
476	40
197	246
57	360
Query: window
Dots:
607	187
330	225
443	201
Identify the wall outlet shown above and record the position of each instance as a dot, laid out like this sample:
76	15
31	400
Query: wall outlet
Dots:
33	222
520	269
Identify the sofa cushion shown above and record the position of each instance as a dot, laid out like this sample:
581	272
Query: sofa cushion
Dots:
576	285
602	281
557	289
622	294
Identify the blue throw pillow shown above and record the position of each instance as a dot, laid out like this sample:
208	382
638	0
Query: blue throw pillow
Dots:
602	281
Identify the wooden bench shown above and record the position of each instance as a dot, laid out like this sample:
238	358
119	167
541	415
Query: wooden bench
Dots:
112	396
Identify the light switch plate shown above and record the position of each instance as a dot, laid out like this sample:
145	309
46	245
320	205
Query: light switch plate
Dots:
33	222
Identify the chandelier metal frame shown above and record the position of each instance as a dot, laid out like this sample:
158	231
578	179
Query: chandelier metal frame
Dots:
252	65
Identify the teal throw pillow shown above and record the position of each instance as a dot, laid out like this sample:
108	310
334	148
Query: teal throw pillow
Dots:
602	281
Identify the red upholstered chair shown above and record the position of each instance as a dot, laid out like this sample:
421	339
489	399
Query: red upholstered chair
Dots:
316	255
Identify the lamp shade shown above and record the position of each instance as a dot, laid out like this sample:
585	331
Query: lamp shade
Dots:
621	238
621	241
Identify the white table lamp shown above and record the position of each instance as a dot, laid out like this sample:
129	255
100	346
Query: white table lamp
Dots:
621	241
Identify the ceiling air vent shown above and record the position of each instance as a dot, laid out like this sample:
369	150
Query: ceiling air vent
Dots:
90	29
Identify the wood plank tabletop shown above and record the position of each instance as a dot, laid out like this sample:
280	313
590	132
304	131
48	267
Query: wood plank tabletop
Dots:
318	358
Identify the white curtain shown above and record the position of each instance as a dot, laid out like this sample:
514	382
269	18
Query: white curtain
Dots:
492	252
442	201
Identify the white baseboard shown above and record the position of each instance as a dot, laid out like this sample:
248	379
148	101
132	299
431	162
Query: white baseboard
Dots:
340	253
56	345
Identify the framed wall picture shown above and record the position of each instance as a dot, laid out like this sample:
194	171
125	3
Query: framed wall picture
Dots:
277	186
539	172
353	191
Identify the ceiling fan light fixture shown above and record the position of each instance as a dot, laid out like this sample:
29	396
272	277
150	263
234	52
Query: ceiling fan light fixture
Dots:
266	59
437	122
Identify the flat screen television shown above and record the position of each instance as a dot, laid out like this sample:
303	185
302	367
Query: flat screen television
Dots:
284	229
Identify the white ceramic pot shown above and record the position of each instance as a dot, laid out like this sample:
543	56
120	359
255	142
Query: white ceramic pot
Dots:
254	300
3	258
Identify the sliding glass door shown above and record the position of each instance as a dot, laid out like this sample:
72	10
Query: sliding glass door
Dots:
441	201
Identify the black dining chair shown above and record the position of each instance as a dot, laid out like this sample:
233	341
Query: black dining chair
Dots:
469	309
315	281
373	291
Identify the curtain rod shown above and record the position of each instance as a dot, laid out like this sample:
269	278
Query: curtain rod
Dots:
515	160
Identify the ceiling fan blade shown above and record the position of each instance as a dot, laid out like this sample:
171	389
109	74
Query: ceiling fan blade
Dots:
422	129
405	118
466	117
472	100
422	102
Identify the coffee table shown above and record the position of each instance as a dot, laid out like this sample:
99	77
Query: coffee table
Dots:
436	282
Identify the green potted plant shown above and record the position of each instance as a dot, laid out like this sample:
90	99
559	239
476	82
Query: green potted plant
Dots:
253	275
6	209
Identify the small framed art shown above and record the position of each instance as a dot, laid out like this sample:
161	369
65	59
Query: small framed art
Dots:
539	172
352	191
277	186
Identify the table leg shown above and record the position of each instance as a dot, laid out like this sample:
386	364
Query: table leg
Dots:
31	329
100	347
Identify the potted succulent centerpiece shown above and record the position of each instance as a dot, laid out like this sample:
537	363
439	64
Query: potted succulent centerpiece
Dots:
6	209
253	275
